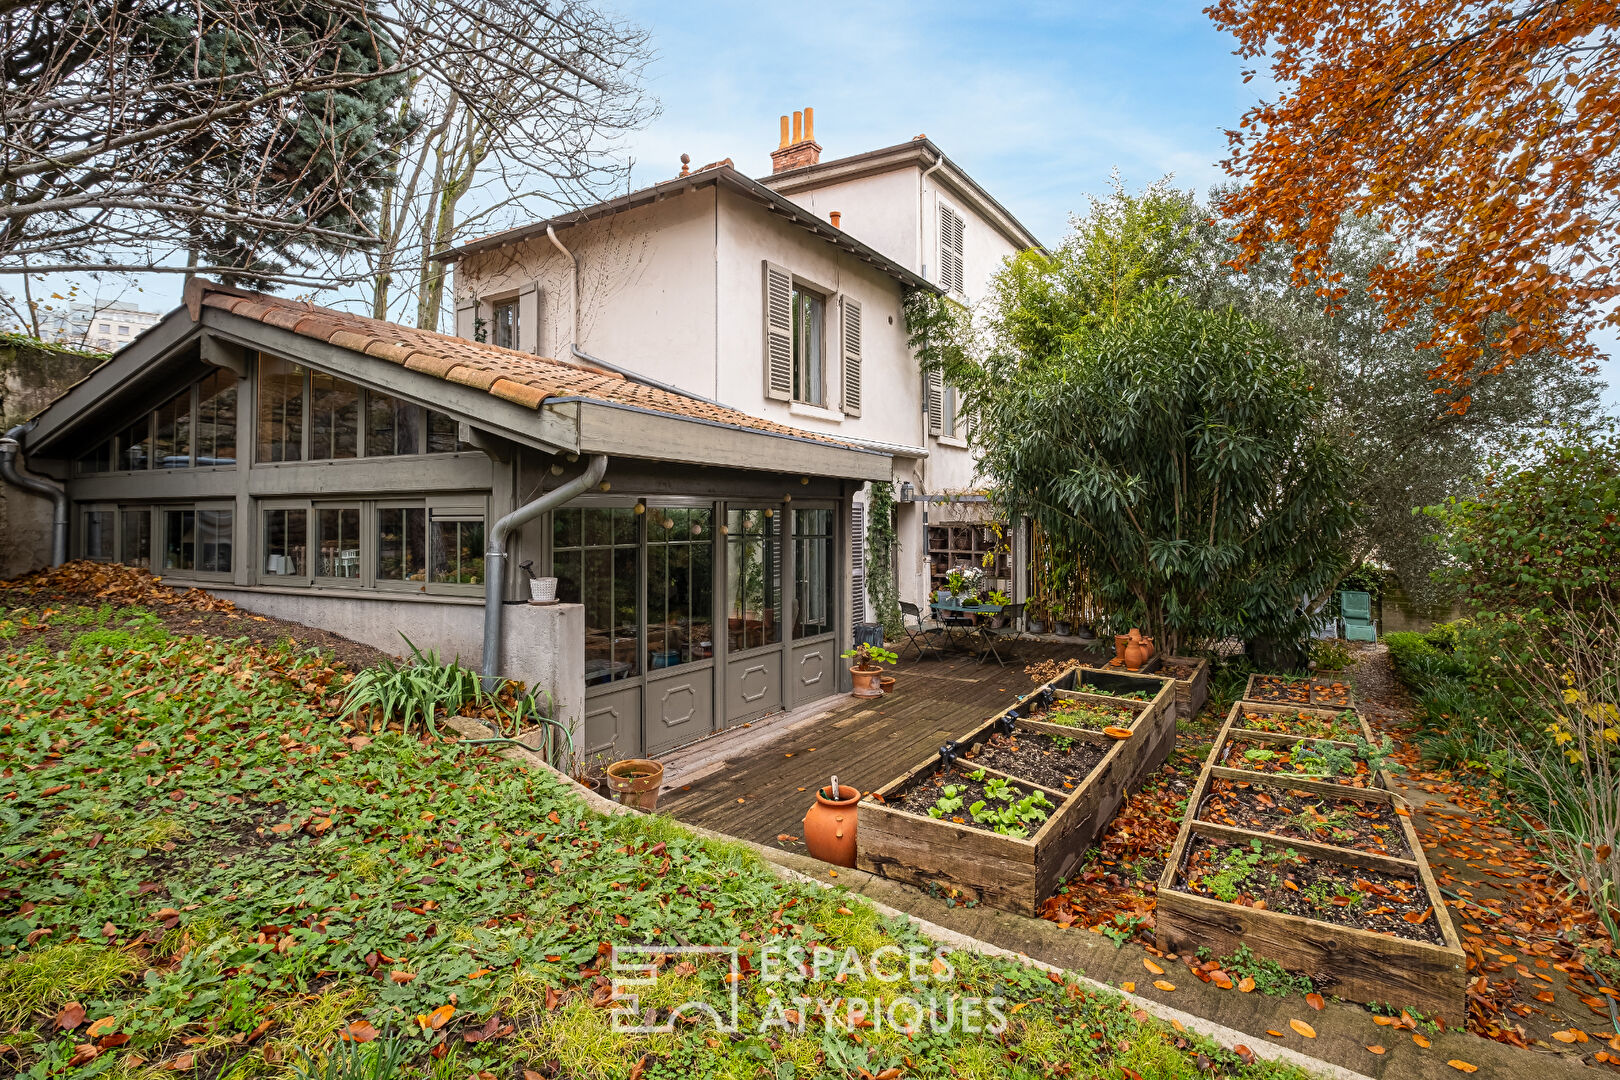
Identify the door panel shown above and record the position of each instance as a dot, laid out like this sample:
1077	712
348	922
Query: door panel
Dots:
814	671
753	686
613	724
680	707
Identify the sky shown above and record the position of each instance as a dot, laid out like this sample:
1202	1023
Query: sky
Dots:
1039	102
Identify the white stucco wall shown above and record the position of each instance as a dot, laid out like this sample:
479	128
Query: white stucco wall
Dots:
879	211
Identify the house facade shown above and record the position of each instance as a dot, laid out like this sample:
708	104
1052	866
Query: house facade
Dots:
781	297
360	476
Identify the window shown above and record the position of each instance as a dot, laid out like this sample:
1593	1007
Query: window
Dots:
216	419
337	535
197	541
392	426
173	446
281	410
401	543
680	585
123	331
98	460
504	324
812	572
99	536
135	445
809	334
104	328
950	250
456	548
443	434
286	544
334	418
596	555
947	410
135	543
754	578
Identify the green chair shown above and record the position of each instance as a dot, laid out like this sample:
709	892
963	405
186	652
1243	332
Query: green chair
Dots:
1356	611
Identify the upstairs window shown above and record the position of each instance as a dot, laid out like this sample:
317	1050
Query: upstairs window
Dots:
216	419
334	415
950	250
809	341
281	410
173	433
504	324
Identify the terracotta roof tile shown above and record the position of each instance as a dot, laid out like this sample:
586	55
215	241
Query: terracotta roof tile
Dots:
523	378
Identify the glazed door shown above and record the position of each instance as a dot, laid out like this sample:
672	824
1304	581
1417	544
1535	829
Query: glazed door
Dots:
679	702
812	664
754	610
596	556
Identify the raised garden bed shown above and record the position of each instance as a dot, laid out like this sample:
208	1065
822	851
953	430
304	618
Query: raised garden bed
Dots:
1082	769
1317	693
1322	874
1189	674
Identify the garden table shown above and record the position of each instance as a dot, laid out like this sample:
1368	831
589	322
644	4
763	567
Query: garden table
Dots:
952	614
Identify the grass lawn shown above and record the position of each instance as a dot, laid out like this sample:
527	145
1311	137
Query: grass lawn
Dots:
223	878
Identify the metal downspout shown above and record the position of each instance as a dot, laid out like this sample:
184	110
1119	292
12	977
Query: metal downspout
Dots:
495	557
10	447
573	304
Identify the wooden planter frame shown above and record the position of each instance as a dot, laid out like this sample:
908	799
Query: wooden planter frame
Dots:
1359	965
1191	692
1314	681
1003	872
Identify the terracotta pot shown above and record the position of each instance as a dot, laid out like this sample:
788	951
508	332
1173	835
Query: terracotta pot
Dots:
1120	641
886	682
829	825
1135	656
866	681
635	782
1152	649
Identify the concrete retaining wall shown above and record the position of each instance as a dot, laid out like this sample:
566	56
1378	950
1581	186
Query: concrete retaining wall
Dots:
543	647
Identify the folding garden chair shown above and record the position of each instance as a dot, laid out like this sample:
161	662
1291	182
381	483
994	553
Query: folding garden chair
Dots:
1003	636
1356	610
919	630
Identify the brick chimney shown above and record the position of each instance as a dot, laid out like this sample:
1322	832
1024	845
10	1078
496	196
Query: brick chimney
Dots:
801	148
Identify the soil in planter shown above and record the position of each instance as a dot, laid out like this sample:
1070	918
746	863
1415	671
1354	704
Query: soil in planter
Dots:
1305	815
1253	876
1310	760
1178	669
1344	727
1319	692
1095	715
925	793
1042	758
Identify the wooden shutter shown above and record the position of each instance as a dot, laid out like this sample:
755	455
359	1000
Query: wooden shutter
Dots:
852	357
935	383
778	333
528	335
857	563
466	318
950	250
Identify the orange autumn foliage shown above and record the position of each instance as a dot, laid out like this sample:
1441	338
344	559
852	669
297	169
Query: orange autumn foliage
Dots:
1485	135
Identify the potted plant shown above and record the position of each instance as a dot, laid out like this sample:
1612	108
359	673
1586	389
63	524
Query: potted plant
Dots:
999	599
866	670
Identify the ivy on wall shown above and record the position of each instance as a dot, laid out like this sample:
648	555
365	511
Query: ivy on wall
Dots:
880	544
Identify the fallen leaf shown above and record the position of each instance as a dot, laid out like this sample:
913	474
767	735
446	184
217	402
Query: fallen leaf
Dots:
71	1016
1274	1033
1315	1001
82	1053
402	977
1421	1040
1244	1054
1167	987
1375	1049
102	1026
360	1031
1303	1028
1128	987
440	1016
1564	1036
1462	1066
1246	985
1151	966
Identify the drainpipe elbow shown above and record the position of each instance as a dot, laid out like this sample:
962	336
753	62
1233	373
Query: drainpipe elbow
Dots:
10	449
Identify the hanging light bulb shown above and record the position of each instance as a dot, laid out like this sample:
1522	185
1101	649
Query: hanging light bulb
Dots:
556	469
641	506
668	523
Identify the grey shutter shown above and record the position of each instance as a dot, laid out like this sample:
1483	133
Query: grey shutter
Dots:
857	563
528	302
778	333
935	383
466	318
852	357
950	250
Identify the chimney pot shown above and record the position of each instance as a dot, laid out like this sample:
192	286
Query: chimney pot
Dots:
798	126
809	124
834	218
784	141
798	148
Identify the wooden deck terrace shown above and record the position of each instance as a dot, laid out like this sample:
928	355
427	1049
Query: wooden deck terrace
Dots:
755	782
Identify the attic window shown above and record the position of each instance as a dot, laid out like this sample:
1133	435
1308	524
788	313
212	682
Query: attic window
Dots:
504	324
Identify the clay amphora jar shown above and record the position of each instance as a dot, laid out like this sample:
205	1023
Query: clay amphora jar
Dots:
1120	641
1135	655
829	825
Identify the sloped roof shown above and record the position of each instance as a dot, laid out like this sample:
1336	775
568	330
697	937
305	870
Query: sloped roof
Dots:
522	378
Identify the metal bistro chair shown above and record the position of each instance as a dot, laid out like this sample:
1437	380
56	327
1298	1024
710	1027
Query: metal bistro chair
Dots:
919	629
1012	632
958	626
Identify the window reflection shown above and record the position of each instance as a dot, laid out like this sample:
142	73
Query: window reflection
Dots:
174	432
401	543
812	572
136	541
458	551
334	417
216	419
392	426
281	410
286	537
338	530
135	445
98	535
596	558
753	578
680	585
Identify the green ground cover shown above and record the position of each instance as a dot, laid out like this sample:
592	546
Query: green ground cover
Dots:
223	877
